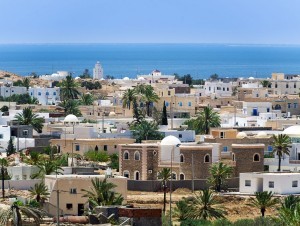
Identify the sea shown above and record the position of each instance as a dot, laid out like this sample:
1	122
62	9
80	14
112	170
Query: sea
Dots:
130	60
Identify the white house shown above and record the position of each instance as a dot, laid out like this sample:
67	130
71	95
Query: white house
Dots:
98	71
278	183
156	76
255	108
11	90
60	75
21	171
219	88
46	96
4	137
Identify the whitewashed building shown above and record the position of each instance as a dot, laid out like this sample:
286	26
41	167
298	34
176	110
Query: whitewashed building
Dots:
98	71
11	90
219	88
46	96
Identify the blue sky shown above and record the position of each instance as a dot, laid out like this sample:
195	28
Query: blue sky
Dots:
151	21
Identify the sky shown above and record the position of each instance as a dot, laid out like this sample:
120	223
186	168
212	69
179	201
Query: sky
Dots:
150	21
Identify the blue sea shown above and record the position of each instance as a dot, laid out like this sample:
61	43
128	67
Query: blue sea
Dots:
128	60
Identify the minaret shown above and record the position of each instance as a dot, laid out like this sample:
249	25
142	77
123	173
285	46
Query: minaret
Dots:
98	71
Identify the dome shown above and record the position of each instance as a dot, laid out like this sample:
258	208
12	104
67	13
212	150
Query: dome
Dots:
141	78
112	113
241	135
292	131
126	78
72	119
77	78
262	134
251	78
170	140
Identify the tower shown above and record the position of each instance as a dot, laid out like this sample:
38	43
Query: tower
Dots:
98	71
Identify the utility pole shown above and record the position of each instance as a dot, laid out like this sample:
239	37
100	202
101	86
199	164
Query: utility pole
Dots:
193	173
103	122
57	200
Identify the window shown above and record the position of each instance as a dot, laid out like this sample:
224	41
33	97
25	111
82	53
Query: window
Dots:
137	175
25	132
47	93
154	153
105	147
287	85
39	93
295	184
233	157
77	147
73	191
227	88
271	184
275	85
206	158
247	183
225	149
69	206
256	158
289	105
126	173
222	134
115	146
169	93
174	176
180	135
1	136
126	155
181	176
189	104
268	109
180	104
295	105
137	156
167	104
181	158
54	93
270	148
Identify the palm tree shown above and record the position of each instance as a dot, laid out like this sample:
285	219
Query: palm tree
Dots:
101	193
265	83
47	167
290	202
164	175
149	96
290	216
71	107
205	206
207	119
16	211
182	209
145	131
281	145
129	97
3	163
68	88
26	83
219	172
39	192
87	99
263	200
27	117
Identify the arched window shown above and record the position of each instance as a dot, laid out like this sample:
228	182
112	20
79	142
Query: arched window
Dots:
126	155
207	158
137	175
256	157
137	155
96	148
287	86
126	173
174	176
181	176
233	157
181	158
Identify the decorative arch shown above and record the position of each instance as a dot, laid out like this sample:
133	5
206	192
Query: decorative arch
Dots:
174	175
96	148
181	158
126	174
207	158
181	176
137	155
137	175
126	155
233	157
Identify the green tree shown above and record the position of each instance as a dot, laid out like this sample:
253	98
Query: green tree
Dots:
96	156
266	83
4	108
219	173
27	117
39	192
164	120
149	97
145	131
87	99
101	193
182	210
26	83
114	161
281	145
16	211
10	147
164	175
289	216
138	115
263	200
4	164
71	107
290	202
207	119
214	77
129	97
204	205
47	167
68	88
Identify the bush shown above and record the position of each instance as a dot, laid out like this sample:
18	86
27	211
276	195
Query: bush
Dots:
96	156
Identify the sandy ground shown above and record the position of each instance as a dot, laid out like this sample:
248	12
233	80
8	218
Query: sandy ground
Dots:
235	206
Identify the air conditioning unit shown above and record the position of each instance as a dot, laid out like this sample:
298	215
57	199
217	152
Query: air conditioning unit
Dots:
149	171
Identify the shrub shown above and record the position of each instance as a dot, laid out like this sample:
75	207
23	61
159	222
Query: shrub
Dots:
96	156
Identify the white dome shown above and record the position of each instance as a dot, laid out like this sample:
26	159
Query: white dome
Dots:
126	78
241	135
251	78
262	134
292	131
77	78
170	140
112	113
71	119
141	78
